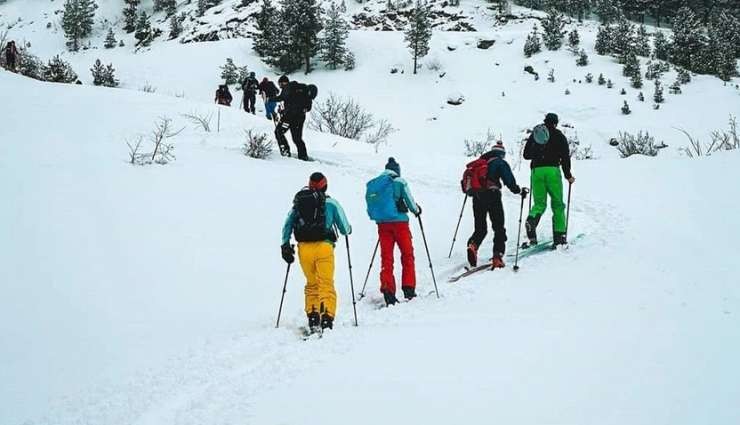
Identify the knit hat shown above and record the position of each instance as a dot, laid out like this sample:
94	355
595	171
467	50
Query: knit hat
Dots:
283	79
499	150
318	182
551	119
393	166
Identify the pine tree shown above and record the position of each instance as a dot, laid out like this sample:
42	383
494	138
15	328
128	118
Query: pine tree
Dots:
302	23
662	48
658	93
230	72
176	25
609	84
336	31
626	108
636	79
589	78
77	20
110	40
684	76
59	71
573	38
689	42
601	80
623	38
582	58
604	40
552	27
343	7
623	92
130	15
642	42
551	76
419	32
608	11
641	97
532	45
631	65
143	30
110	76
170	7
98	73
268	26
349	61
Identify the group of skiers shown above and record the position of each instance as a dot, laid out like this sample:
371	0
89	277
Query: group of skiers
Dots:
11	56
297	100
315	218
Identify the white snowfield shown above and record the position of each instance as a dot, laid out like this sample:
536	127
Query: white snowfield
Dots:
148	295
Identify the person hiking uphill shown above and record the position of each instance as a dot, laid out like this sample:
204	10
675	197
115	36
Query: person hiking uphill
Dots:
223	95
547	148
297	100
312	220
11	56
487	202
388	200
268	90
249	87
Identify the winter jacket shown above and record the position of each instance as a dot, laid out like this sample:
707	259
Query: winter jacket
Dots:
402	197
554	153
250	85
268	88
334	217
223	96
498	170
292	103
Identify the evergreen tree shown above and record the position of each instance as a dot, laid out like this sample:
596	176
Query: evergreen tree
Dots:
103	75
725	64
589	78
641	97
59	71
626	108
110	40
658	93
532	45
230	72
684	77
176	25
349	61
268	30
573	38
601	80
419	32
642	42
689	42
631	65
169	7
143	30
662	48
582	58
301	25
336	31
636	80
608	11
551	76
604	40
623	39
552	27
130	15
77	20
609	84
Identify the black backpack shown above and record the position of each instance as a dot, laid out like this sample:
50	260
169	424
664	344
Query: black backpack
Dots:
310	221
305	94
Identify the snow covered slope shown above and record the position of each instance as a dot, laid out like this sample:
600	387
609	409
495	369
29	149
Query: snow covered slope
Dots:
147	295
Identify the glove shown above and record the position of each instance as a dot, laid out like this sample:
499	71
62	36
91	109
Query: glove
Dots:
525	192
288	253
418	210
516	190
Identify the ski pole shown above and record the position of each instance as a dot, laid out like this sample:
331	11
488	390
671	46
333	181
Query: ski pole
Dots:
530	196
218	127
567	211
519	233
351	283
375	252
454	237
282	297
429	257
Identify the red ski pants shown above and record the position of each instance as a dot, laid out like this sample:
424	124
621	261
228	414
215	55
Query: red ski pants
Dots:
390	234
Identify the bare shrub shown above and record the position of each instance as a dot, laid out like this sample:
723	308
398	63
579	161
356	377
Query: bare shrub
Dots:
148	88
640	144
579	152
477	147
136	156
721	141
434	64
200	120
162	149
346	118
258	145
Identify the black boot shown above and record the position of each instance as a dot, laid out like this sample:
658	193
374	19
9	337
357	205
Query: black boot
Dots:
314	322
390	298
559	239
327	322
408	292
531	226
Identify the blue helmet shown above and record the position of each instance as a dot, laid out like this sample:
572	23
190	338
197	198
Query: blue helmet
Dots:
541	134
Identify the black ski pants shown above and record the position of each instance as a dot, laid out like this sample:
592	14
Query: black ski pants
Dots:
292	122
250	98
488	204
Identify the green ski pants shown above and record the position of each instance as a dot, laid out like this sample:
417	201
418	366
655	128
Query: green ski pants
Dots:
548	181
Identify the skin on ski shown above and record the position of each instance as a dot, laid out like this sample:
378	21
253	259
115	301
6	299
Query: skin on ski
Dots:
306	333
470	271
541	247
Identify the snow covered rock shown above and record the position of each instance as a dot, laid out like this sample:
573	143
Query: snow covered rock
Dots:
485	44
455	99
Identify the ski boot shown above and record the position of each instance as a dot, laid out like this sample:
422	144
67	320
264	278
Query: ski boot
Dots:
327	322
498	261
472	254
314	322
390	298
559	239
531	226
408	292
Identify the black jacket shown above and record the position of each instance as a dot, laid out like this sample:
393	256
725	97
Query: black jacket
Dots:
269	89
250	85
554	153
292	103
223	96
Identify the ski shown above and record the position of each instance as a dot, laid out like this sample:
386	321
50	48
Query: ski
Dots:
306	334
471	271
540	248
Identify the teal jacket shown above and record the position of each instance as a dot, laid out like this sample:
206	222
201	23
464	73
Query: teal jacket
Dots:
403	198
334	217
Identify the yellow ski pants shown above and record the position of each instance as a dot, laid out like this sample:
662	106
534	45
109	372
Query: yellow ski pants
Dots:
317	262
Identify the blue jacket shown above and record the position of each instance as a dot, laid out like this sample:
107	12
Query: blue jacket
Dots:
334	216
498	170
403	198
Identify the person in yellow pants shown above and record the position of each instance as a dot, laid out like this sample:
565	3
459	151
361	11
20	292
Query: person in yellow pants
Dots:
312	221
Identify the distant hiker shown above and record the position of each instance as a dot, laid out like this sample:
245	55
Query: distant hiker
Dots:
268	90
11	56
223	95
388	201
548	150
297	99
249	87
482	181
312	219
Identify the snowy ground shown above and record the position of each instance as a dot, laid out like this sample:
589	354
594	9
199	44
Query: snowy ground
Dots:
133	295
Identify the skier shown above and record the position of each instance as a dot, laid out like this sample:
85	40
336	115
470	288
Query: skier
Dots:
11	55
312	220
547	148
487	202
249	87
268	90
388	201
223	95
297	99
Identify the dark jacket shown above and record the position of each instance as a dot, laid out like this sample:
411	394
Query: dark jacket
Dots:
268	88
498	170
10	51
223	96
554	153
292	103
250	85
